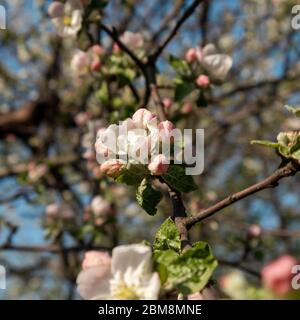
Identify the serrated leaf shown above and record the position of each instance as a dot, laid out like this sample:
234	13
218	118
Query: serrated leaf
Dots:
182	90
177	178
188	272
147	197
191	271
167	237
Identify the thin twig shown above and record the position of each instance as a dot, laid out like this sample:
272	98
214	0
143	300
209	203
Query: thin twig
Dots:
188	12
289	169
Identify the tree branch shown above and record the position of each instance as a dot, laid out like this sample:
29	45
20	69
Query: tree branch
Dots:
189	11
288	169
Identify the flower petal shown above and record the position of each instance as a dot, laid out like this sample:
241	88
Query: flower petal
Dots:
131	256
93	282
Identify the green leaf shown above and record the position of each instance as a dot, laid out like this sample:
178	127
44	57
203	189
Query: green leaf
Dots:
162	259
177	178
182	89
295	111
167	237
147	197
179	65
191	271
266	143
129	178
102	94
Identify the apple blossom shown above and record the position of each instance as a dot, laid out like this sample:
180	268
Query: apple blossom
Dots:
67	18
167	103
203	81
159	165
129	276
254	230
142	117
52	210
165	131
277	275
59	211
218	65
95	259
100	206
135	141
80	62
82	118
132	40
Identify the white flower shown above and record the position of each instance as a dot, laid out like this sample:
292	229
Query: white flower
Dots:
129	277
80	63
132	40
67	17
218	65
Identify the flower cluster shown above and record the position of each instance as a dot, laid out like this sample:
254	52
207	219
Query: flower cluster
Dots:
90	61
214	64
127	275
136	141
98	211
56	211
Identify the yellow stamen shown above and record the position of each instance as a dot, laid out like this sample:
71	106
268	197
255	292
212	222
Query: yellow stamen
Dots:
67	20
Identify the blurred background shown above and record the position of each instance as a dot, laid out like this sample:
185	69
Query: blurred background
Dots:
49	179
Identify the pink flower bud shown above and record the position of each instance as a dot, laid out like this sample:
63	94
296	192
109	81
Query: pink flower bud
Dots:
96	64
167	102
116	49
56	9
190	55
96	259
203	81
159	165
52	211
98	50
254	230
142	117
187	107
82	118
112	167
277	275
